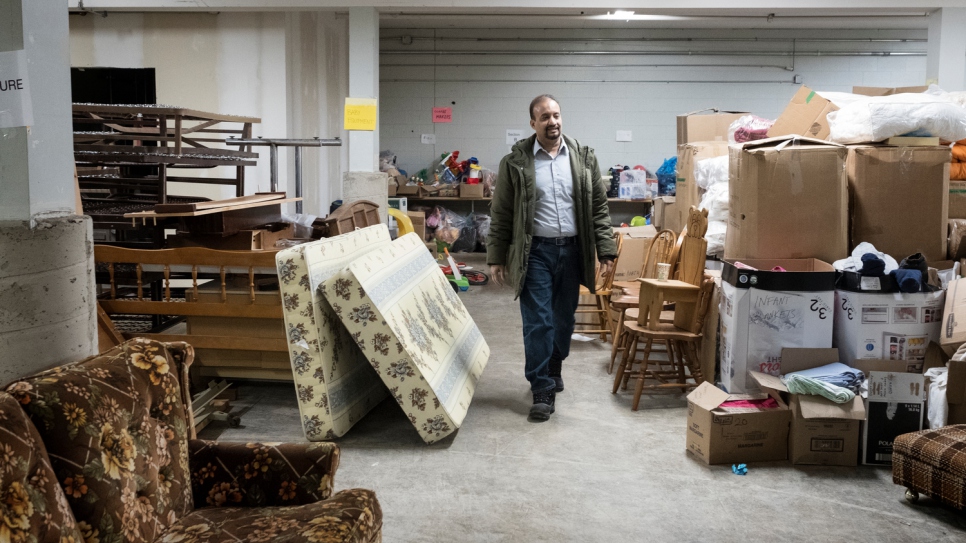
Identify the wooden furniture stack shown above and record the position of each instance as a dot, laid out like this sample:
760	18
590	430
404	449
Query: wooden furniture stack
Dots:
125	156
602	293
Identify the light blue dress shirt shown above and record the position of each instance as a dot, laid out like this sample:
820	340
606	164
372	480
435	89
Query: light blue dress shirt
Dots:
554	213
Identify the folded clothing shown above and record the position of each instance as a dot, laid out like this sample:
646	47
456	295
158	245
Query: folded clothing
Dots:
837	374
765	403
872	265
909	281
798	384
957	171
854	262
915	262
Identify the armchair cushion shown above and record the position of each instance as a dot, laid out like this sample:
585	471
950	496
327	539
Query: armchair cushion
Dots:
351	516
116	428
225	474
32	505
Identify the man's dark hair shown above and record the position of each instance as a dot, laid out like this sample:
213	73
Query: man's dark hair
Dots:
537	100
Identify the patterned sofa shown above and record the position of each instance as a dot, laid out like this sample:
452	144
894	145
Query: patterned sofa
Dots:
103	451
932	462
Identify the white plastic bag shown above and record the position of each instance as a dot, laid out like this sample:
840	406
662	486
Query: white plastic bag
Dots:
711	171
877	118
938	406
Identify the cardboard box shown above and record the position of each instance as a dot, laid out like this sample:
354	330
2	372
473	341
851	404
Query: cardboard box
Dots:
637	240
822	432
788	198
880	177
887	91
688	194
955	384
804	116
763	312
471	191
953	332
407	190
887	326
957	199
418	218
706	125
708	351
724	436
392	190
432	248
895	406
666	215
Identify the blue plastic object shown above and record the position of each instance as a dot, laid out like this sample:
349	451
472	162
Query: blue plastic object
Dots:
667	177
740	469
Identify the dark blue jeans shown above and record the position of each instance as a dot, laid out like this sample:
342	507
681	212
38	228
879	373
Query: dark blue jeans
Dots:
548	301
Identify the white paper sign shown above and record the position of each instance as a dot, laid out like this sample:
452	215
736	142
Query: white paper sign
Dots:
15	108
513	136
624	135
428	139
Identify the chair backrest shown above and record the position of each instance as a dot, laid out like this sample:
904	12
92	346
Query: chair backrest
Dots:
694	248
705	295
676	254
660	251
607	282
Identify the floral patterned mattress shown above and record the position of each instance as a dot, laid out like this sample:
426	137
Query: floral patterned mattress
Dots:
404	316
334	382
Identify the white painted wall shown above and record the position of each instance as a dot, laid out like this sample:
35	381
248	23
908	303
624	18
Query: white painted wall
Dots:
287	69
592	110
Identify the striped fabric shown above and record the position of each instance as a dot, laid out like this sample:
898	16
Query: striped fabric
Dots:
415	331
334	382
933	462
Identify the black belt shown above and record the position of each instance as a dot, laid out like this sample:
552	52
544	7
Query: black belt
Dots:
572	240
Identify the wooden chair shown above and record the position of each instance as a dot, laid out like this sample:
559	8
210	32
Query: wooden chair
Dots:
603	290
682	351
661	250
655	295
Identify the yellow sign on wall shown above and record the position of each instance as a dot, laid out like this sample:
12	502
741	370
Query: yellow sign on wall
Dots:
360	114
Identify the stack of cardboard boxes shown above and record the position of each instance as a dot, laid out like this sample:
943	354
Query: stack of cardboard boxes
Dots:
798	203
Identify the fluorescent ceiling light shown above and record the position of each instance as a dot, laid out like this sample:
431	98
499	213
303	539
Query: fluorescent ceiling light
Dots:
622	15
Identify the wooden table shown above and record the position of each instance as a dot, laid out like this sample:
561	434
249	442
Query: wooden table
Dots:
653	295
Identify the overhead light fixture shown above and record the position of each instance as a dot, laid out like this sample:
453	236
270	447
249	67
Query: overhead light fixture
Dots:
627	16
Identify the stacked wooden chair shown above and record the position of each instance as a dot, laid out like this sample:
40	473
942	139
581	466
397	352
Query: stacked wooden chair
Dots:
679	332
602	294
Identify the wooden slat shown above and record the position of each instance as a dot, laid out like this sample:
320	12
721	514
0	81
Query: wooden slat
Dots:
188	256
246	373
153	215
149	111
199	309
233	343
216	204
187	152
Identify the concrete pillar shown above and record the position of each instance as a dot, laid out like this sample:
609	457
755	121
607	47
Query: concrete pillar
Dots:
47	305
364	83
946	60
363	180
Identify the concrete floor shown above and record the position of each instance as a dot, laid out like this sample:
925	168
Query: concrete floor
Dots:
595	472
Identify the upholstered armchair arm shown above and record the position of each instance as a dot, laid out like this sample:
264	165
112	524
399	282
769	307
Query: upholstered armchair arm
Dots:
261	474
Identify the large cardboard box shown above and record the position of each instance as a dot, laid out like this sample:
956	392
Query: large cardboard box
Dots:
637	240
804	116
764	311
887	91
688	193
719	435
953	331
822	432
888	326
957	200
706	125
955	384
895	406
917	178
473	192
788	198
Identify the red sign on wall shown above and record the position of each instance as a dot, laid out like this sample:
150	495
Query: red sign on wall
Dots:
442	114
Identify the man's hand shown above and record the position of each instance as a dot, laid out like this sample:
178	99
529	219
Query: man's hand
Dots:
606	266
498	273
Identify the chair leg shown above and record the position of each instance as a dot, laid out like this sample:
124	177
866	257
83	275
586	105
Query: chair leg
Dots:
682	357
601	317
618	338
630	361
695	367
641	376
629	340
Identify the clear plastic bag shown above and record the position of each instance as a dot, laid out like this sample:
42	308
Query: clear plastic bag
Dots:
449	225
488	179
387	160
482	223
749	128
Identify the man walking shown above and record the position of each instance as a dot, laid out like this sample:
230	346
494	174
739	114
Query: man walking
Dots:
549	220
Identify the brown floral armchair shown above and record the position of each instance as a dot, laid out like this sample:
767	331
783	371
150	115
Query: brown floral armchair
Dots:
120	441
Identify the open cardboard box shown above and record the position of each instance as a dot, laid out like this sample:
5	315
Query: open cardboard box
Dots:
822	432
895	406
718	437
